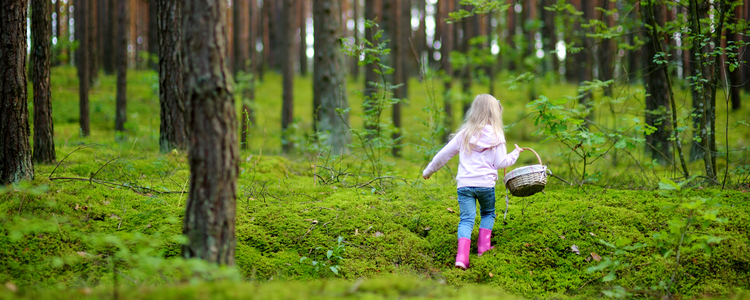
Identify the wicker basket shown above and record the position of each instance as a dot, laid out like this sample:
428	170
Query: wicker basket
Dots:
528	180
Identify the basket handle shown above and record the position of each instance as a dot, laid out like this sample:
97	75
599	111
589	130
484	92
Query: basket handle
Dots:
532	150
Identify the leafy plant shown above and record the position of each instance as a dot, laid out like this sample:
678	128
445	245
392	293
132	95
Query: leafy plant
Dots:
331	261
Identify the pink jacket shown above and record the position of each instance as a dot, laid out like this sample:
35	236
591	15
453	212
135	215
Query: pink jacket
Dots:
477	168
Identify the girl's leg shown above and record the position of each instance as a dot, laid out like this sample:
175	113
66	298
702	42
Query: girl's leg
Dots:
468	211
486	198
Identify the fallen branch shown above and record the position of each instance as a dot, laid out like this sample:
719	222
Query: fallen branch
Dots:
135	188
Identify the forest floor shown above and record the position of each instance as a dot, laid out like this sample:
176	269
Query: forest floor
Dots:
107	220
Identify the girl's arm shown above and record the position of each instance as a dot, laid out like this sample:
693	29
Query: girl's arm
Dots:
503	160
440	159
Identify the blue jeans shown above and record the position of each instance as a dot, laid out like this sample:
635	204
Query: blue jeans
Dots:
467	203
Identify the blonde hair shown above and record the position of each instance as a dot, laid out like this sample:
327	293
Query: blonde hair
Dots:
485	110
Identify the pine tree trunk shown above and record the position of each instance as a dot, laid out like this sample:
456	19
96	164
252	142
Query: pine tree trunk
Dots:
287	109
266	38
657	97
549	37
209	221
108	36
81	10
354	63
93	34
399	55
153	34
172	129
59	7
41	32
734	77
240	36
15	151
329	81
584	63
446	46
370	75
302	53
121	64
466	72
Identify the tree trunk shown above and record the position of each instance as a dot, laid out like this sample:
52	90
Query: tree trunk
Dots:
466	72
657	96
153	34
287	109
606	50
734	77
121	64
83	64
399	57
209	221
302	53
15	151
354	63
108	37
549	38
584	63
41	32
266	38
59	7
240	34
172	129
93	34
446	46
370	75
329	83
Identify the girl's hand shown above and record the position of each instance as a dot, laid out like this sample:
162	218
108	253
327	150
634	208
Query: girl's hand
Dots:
519	148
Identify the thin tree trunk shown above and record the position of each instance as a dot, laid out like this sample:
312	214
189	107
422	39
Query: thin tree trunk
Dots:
41	31
240	34
399	55
83	64
266	37
446	46
93	34
121	65
108	37
59	8
370	75
153	34
735	77
329	81
302	14
15	151
172	129
657	96
584	64
466	72
287	108
354	63
209	221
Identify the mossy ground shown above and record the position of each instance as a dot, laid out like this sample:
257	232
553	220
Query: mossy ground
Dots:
396	234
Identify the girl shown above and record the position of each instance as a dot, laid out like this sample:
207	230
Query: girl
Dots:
481	144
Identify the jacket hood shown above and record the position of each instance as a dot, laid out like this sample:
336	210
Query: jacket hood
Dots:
487	139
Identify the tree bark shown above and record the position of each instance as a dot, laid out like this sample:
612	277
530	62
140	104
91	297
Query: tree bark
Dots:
287	108
584	62
398	57
15	151
466	72
81	10
153	34
172	129
209	221
41	34
329	83
446	46
302	53
370	75
734	77
93	34
108	37
549	37
122	64
354	64
240	34
657	97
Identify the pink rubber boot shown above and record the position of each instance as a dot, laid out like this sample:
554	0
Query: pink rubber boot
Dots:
462	255
483	244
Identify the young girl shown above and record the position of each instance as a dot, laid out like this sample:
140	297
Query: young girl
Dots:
480	143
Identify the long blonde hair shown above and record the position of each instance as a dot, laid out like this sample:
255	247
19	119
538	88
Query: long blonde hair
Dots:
485	110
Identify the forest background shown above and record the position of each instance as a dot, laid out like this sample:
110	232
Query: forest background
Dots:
321	129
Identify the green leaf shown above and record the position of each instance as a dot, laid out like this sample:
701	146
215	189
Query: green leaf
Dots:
611	276
668	184
335	270
622	242
329	253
